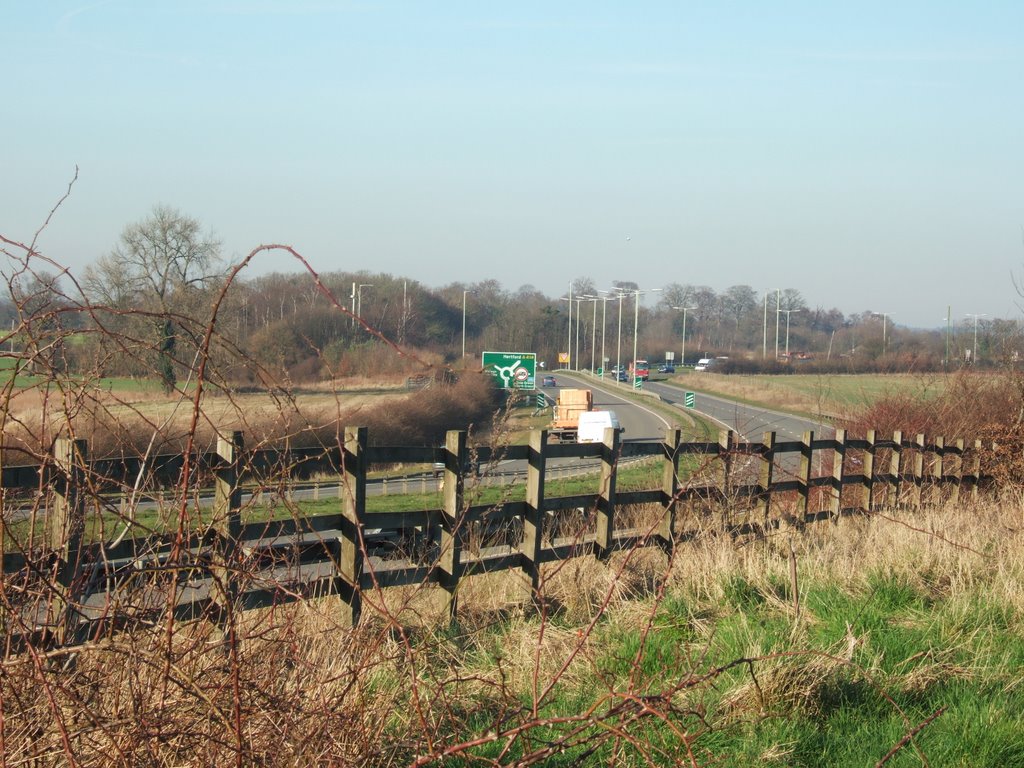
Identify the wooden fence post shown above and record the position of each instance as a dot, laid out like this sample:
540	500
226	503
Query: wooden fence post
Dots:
838	467
726	444
452	515
868	474
533	520
227	521
958	475
896	468
976	470
350	560
605	533
938	470
64	528
918	469
670	489
806	462
764	483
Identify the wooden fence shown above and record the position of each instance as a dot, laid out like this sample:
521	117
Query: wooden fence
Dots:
65	589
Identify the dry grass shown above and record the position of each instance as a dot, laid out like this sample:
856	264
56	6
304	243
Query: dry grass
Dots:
300	689
824	395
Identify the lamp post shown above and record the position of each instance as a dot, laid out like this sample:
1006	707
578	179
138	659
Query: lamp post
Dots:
885	317
569	348
359	300
949	319
682	356
464	293
618	346
579	301
974	351
570	298
778	309
604	325
593	330
764	343
788	313
636	323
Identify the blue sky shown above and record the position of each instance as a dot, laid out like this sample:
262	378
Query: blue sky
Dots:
869	154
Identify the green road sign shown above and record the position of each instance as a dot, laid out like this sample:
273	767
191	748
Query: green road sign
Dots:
600	371
513	370
689	400
638	383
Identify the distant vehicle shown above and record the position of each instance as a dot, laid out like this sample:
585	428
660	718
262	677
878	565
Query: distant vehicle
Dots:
703	364
641	369
548	381
592	425
621	376
667	368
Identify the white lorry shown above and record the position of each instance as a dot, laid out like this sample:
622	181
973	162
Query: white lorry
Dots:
592	425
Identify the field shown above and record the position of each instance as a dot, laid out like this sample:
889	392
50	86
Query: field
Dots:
813	395
119	412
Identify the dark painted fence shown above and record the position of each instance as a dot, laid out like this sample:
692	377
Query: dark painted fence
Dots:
59	587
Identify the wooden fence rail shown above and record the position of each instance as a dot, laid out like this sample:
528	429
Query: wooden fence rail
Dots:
78	589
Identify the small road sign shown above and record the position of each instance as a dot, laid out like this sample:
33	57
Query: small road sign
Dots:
638	383
689	400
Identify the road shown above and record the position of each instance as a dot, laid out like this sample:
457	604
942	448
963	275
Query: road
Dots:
641	422
747	420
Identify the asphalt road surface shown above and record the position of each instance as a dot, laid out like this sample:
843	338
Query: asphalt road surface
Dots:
640	421
747	420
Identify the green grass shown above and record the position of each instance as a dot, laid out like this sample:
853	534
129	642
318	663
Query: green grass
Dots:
152	520
118	384
814	708
813	394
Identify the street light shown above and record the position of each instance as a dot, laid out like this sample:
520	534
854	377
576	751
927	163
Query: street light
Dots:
569	340
618	346
593	329
764	343
949	322
464	321
604	325
884	316
788	313
974	351
636	323
357	300
579	301
778	309
682	356
569	365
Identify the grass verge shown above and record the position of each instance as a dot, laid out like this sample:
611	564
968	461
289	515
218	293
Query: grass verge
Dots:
899	641
812	395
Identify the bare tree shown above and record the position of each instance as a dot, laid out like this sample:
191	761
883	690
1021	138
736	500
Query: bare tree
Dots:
158	266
